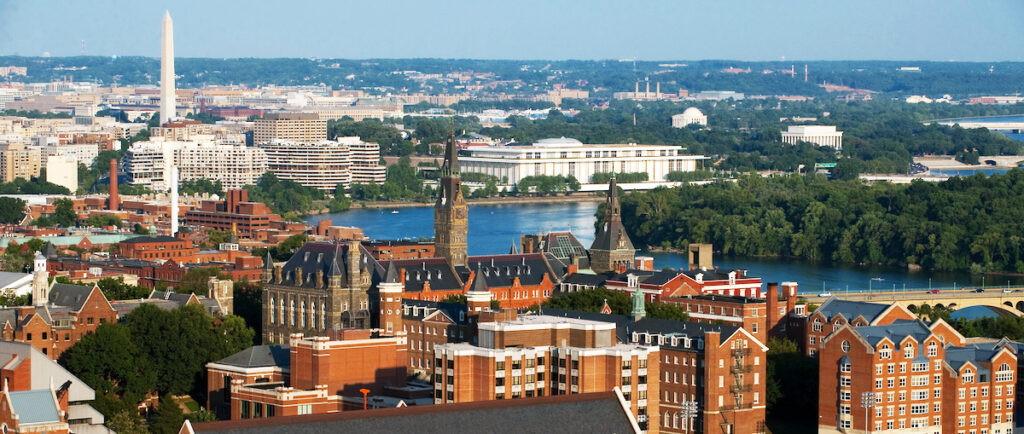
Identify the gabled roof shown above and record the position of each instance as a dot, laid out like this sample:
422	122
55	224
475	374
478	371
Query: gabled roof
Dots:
259	356
35	406
427	308
8	279
326	257
68	295
43	370
895	332
851	309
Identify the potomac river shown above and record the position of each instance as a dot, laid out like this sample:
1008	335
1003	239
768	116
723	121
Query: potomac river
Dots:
494	228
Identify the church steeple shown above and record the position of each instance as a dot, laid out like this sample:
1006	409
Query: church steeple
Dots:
451	223
612	250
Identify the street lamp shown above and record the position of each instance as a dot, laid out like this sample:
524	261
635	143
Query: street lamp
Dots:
688	413
867	400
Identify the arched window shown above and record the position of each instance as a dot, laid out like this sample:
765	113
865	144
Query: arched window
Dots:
885	352
1005	373
908	350
302	314
968	376
295	313
273	306
846	346
933	349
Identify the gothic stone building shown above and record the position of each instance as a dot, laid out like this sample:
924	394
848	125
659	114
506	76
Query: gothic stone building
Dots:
322	287
612	249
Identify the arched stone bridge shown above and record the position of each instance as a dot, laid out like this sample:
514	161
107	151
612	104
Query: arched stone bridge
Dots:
1011	299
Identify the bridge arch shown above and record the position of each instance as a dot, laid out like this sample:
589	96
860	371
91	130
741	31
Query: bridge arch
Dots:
1008	303
940	306
1020	306
912	308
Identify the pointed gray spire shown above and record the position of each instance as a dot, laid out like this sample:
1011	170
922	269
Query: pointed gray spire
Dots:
391	274
479	281
514	250
268	262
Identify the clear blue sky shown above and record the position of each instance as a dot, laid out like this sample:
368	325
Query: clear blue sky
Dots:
525	29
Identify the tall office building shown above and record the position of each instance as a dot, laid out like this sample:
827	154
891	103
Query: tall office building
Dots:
167	94
18	161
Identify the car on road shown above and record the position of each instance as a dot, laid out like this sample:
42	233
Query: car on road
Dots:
825	294
934	291
1007	291
979	290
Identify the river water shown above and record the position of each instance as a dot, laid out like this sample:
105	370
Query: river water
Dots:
494	228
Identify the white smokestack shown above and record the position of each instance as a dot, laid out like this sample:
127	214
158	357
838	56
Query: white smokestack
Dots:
167	94
174	200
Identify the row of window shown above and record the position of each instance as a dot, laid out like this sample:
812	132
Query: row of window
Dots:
257	410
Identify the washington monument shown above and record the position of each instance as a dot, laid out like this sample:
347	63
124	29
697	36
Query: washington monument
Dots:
167	94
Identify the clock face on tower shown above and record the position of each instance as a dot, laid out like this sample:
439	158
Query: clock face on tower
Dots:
460	213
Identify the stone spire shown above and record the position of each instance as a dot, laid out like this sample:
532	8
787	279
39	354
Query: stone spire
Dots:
167	93
268	268
336	276
451	222
612	250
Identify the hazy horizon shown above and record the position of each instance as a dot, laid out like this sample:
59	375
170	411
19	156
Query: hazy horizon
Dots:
798	30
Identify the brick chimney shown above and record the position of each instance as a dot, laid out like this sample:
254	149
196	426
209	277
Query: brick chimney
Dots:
772	301
115	200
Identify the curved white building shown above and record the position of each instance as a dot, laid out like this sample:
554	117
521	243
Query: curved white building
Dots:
325	164
690	116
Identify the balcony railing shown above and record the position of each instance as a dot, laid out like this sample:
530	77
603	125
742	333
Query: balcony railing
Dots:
737	388
740	352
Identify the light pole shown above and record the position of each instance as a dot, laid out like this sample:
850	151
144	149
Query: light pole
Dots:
689	412
867	400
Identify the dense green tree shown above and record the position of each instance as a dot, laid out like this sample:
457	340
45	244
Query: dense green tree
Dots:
199	186
284	195
169	416
963	224
127	422
620	302
12	210
195	280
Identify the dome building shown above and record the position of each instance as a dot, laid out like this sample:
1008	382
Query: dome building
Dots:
692	115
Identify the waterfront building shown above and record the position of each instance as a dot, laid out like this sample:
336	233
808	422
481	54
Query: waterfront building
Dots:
236	213
290	127
322	287
690	116
149	163
917	377
325	164
820	135
539	355
612	250
18	161
451	220
569	157
721	282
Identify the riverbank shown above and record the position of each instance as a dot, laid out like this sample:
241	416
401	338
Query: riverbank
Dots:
576	198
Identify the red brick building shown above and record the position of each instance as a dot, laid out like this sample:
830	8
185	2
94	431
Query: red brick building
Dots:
921	377
320	373
542	355
713	281
235	211
810	331
71	312
159	248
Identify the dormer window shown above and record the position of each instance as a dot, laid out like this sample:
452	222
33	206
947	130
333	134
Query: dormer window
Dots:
885	352
908	350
